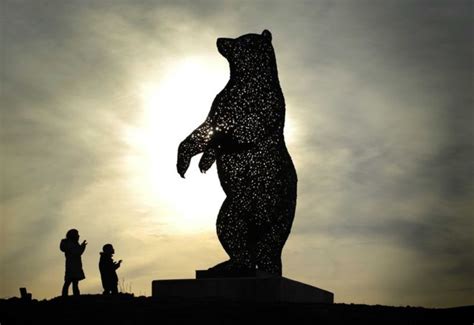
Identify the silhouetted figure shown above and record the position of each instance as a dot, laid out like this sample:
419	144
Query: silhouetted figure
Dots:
107	268
243	133
73	251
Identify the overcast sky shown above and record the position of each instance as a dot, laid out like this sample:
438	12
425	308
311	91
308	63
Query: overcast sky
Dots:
97	95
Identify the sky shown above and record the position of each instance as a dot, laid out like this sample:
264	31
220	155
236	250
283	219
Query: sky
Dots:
97	95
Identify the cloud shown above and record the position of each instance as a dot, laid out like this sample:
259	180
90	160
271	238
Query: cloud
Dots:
378	98
71	77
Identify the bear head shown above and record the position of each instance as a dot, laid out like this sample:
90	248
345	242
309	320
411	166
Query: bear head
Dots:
249	53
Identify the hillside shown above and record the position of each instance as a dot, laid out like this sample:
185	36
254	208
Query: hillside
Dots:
126	309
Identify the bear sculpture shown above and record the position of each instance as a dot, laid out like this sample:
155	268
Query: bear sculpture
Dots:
243	134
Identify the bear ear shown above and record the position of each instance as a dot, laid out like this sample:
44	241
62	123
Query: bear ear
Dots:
266	33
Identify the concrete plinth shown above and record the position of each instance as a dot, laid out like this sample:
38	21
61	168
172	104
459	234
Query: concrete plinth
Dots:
257	288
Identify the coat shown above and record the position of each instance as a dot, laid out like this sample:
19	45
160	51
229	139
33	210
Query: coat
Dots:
107	269
73	251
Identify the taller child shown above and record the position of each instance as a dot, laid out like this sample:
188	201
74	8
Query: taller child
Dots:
72	251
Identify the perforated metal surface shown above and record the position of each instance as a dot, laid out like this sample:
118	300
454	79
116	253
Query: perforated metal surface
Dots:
243	134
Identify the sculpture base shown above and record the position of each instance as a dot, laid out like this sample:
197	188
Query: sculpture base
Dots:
211	273
261	288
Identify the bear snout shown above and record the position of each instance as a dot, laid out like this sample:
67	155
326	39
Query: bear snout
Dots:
224	45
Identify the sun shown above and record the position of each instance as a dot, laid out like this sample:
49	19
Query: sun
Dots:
171	107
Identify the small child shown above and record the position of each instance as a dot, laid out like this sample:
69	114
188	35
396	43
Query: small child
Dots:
107	268
73	251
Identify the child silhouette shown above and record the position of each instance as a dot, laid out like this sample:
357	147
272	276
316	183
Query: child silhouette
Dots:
107	268
73	251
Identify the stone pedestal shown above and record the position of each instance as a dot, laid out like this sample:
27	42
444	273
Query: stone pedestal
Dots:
259	287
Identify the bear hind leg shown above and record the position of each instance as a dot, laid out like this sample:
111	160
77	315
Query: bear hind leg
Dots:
269	248
269	258
234	234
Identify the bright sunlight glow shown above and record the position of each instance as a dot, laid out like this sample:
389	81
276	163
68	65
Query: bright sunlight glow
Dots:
173	105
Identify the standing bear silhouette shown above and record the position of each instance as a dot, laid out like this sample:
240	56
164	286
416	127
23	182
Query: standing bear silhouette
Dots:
243	133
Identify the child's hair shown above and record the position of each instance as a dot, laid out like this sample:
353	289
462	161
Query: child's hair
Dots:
107	248
72	234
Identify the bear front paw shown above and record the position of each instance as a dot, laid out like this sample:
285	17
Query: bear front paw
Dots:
182	167
207	160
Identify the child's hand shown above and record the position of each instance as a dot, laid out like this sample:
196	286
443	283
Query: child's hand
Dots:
117	264
84	243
